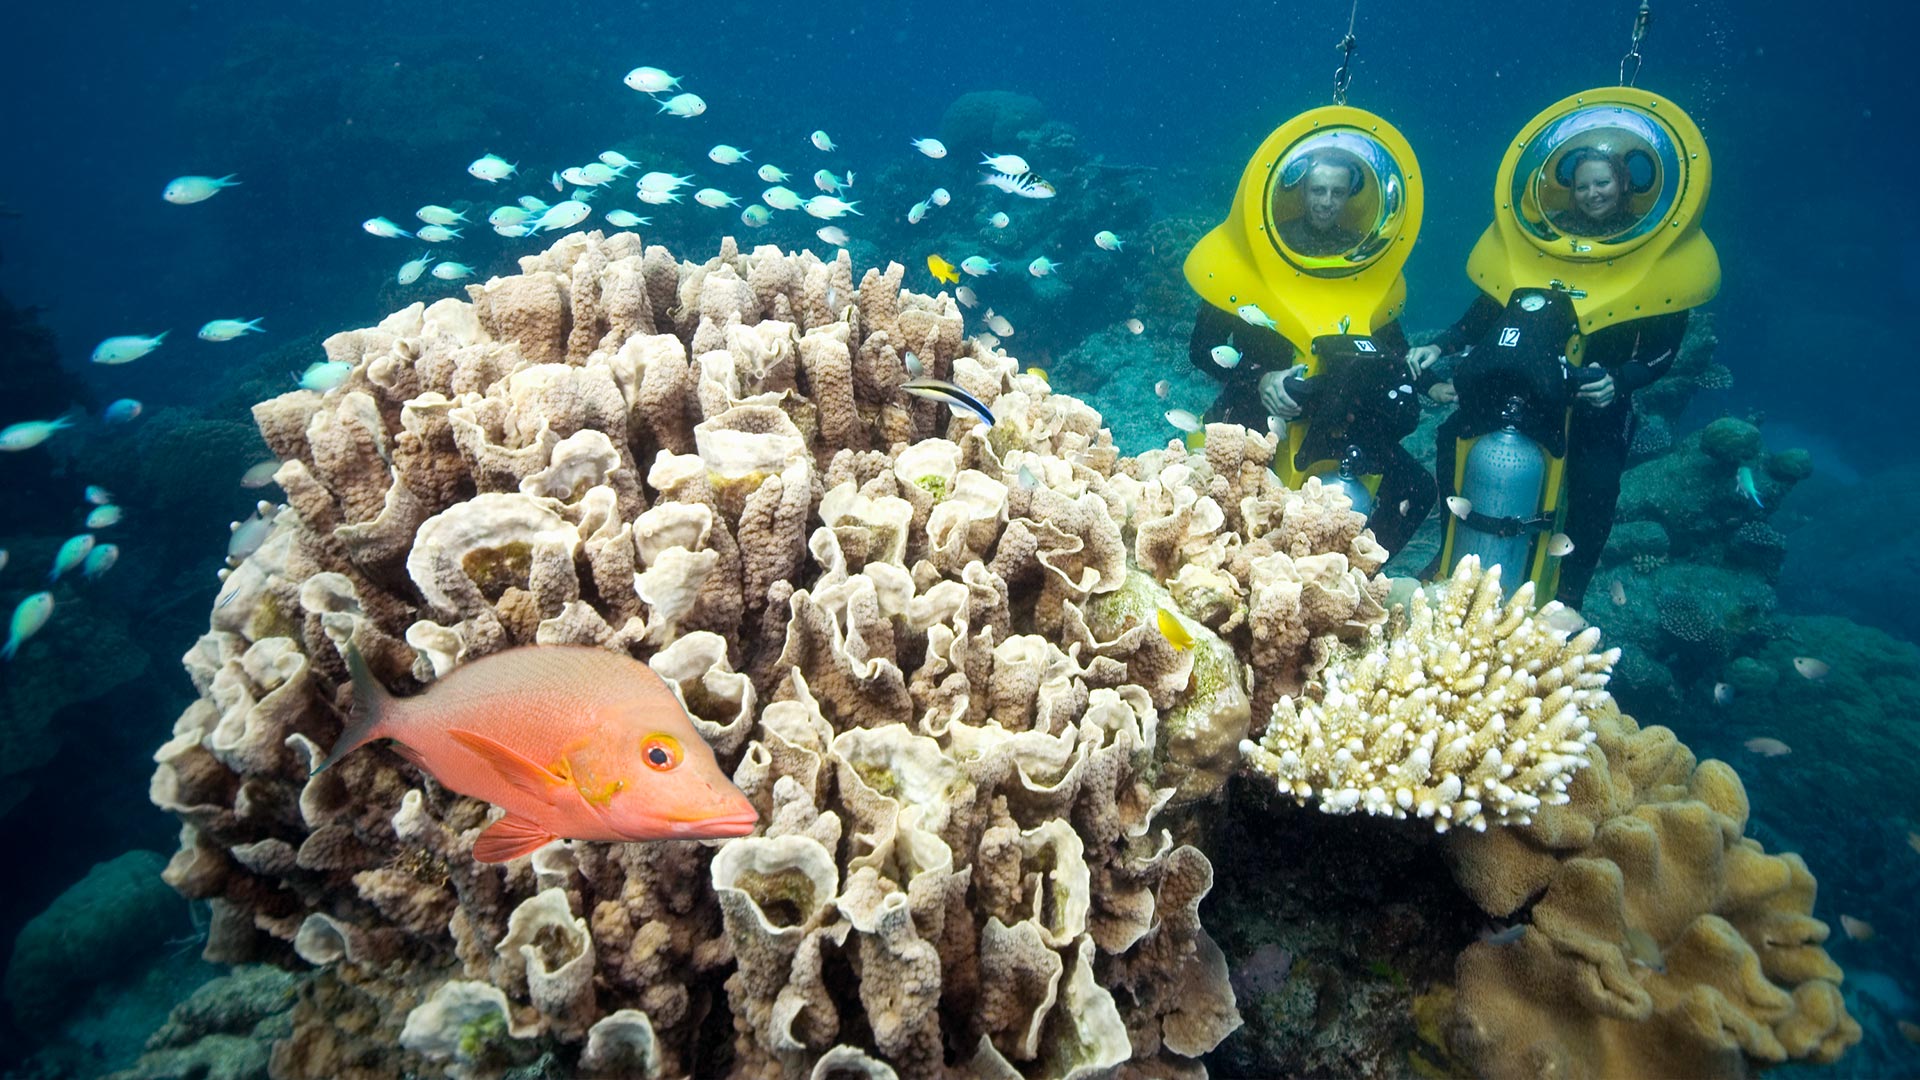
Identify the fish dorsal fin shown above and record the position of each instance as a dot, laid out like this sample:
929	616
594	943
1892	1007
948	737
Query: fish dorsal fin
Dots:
509	838
514	767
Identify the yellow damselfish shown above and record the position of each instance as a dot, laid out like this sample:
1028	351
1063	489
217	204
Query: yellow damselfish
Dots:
1175	633
942	270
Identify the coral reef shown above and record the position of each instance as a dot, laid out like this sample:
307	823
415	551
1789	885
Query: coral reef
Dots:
1662	943
99	928
1473	712
1333	925
224	1031
926	648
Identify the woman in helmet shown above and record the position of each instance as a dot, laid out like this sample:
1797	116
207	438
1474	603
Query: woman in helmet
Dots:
1628	355
1598	203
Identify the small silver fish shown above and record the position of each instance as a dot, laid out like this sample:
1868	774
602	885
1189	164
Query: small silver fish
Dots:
1504	936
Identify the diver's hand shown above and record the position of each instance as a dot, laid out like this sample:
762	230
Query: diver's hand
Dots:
1422	357
1443	393
1273	392
1598	393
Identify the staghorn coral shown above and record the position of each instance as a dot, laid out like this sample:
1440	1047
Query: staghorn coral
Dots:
1663	942
926	648
1473	713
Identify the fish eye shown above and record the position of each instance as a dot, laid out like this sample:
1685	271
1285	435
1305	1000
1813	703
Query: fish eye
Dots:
661	752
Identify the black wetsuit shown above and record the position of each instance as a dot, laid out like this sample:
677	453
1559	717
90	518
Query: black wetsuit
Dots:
1635	353
1402	478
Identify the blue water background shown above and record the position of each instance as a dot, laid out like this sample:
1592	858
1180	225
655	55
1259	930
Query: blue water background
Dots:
333	113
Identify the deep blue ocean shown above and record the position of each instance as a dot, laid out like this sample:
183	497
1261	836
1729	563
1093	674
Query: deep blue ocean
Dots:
330	114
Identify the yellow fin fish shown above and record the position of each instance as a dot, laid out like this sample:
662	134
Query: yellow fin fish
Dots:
1175	633
942	270
1039	373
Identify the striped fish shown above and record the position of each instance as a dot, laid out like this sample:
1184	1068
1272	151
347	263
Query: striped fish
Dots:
952	396
1026	185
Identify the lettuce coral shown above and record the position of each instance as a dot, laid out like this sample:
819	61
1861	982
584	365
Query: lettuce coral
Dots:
925	647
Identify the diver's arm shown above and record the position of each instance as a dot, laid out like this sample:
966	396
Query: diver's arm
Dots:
1422	364
1471	326
1654	351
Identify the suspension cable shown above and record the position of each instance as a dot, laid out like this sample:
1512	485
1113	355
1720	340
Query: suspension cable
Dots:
1343	75
1641	22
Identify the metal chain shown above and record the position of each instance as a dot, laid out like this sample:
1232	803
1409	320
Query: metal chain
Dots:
1641	22
1343	75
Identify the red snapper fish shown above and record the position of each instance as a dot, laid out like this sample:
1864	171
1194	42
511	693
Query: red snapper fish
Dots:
571	741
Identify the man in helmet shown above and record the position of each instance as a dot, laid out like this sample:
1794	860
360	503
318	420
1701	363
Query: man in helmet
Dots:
1266	381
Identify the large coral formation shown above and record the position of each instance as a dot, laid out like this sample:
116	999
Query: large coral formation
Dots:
1663	942
1474	712
926	648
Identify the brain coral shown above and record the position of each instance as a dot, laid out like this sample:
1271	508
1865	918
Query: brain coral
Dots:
924	647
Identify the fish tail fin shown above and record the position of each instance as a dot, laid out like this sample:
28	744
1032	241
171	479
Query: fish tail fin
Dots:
228	180
161	336
373	710
12	646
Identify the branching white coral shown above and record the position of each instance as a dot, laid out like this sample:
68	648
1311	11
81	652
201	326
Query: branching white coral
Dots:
1475	711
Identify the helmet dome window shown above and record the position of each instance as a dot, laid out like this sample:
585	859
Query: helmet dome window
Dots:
1597	177
1334	202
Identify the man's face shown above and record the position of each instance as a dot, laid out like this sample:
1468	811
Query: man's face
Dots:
1596	193
1327	194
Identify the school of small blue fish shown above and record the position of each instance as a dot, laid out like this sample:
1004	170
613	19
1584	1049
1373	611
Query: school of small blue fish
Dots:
444	225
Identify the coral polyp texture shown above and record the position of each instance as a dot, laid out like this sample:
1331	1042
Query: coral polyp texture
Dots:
926	648
1474	712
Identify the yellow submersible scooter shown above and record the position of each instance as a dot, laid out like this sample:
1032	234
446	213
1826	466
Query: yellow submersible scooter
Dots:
1561	278
1325	287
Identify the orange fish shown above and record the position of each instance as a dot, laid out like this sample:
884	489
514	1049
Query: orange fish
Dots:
942	270
571	741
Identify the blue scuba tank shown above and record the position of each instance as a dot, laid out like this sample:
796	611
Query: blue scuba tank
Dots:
1506	475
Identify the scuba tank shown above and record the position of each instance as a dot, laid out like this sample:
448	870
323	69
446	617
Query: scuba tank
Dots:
1349	482
1504	480
1509	457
